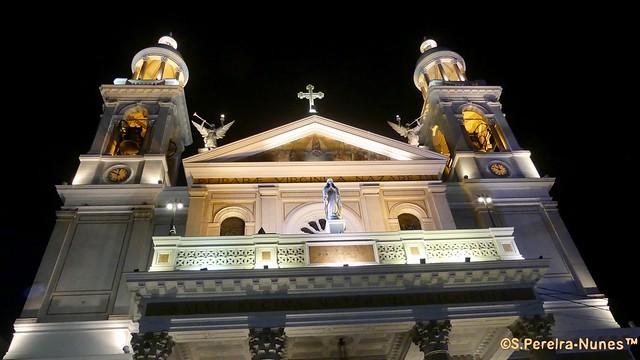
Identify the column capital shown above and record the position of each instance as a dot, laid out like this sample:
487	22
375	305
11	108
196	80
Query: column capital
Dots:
432	337
538	327
152	345
267	343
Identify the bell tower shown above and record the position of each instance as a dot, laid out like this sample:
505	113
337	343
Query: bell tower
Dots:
144	125
464	120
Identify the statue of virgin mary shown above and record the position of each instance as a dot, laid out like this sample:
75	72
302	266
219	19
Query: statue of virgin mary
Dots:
331	198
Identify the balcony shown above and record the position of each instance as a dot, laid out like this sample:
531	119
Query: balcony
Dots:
330	250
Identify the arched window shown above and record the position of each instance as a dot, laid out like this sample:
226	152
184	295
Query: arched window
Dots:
482	135
129	133
409	222
232	226
438	141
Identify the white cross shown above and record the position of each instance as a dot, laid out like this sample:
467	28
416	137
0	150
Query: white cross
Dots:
310	95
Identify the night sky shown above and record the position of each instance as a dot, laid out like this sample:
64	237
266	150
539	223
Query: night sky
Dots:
251	68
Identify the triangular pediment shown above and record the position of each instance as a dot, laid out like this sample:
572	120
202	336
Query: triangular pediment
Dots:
310	150
315	138
314	147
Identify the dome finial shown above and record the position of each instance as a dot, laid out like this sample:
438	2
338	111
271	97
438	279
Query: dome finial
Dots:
169	41
427	44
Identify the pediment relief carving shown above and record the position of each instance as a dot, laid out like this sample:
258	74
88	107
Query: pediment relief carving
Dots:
313	148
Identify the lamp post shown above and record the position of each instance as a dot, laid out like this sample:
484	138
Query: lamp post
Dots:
486	200
175	205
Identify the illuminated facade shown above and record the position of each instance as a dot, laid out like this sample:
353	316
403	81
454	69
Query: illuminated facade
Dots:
423	271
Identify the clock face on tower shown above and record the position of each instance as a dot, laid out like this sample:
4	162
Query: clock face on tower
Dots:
118	174
499	169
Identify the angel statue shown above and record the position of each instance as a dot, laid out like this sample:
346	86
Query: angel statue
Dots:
210	136
411	133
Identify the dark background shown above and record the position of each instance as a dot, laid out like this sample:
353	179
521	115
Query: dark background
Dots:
559	72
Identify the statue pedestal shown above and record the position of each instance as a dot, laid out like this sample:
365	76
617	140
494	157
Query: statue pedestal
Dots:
336	226
204	150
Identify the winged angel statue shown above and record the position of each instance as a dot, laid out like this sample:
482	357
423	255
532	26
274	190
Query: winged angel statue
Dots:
210	136
411	133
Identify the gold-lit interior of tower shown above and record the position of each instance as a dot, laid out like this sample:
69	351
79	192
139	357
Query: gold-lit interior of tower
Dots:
155	67
483	136
434	67
439	142
130	132
443	70
160	62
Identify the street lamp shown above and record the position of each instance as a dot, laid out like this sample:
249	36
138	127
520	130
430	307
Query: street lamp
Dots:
486	200
175	205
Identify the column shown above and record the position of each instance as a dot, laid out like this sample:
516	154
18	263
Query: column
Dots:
536	327
143	68
105	129
441	68
152	345
162	128
432	337
269	214
500	120
439	207
160	73
267	343
370	195
196	216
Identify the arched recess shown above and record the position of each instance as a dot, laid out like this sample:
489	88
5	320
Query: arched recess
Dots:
426	222
482	134
233	211
407	222
302	214
129	132
232	226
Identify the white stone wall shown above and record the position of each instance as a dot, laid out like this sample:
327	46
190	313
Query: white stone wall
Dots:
285	208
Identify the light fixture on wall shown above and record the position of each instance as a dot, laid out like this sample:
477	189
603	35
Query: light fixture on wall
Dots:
175	205
486	200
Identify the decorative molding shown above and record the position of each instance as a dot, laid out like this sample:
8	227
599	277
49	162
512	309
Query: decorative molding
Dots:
112	93
392	253
444	250
238	257
291	256
465	93
310	280
233	211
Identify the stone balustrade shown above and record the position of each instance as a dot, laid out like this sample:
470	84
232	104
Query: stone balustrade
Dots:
304	250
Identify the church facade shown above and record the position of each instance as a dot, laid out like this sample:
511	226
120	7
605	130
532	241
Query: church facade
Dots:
436	248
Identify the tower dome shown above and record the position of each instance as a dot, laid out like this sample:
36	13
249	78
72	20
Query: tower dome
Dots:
161	62
437	64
